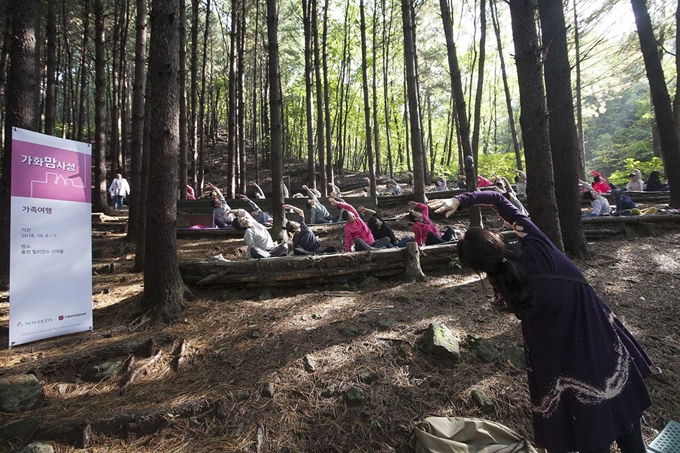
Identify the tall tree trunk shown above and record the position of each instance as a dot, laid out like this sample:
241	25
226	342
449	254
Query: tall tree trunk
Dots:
320	129
140	251
114	120
367	101
22	94
137	132
241	29
307	12
232	148
201	128
376	129
663	111
579	107
183	114
193	93
480	79
386	99
563	138
415	122
461	114
327	99
4	60
51	72
82	98
100	200
276	109
256	77
163	287
534	120
506	86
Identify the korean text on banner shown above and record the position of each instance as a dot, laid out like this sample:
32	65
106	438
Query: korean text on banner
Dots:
51	237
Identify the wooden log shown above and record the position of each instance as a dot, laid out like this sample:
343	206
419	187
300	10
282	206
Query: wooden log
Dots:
412	263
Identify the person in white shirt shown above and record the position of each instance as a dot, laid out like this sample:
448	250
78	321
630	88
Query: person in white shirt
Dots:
635	182
257	238
599	205
119	189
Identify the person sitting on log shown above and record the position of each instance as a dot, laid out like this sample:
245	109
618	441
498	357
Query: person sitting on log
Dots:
624	204
317	212
635	182
304	242
258	214
393	188
335	190
357	233
483	182
654	183
259	243
259	193
222	216
599	205
380	229
440	185
425	230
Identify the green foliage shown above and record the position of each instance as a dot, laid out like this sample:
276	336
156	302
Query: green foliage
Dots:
501	164
620	177
621	133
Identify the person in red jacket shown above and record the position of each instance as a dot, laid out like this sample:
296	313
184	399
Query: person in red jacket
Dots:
427	232
600	183
357	233
483	182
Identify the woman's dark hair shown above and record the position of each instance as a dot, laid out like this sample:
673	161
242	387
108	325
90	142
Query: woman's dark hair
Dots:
486	251
308	205
290	227
587	195
345	215
215	203
412	217
237	225
372	222
596	179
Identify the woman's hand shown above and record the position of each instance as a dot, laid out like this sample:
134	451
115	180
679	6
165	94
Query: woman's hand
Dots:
412	204
333	201
447	206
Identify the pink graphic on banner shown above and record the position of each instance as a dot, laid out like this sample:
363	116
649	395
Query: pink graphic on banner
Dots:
40	171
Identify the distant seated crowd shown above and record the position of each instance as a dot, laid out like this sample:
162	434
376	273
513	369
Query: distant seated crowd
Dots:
365	229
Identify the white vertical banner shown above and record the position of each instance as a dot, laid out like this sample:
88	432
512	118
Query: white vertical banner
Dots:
51	237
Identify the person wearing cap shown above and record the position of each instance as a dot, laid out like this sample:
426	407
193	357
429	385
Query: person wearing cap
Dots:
635	182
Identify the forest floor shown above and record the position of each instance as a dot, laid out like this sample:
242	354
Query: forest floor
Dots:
363	334
271	369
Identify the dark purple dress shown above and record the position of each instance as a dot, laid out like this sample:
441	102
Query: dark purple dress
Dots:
586	371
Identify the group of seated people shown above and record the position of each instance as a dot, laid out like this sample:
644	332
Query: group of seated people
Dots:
624	204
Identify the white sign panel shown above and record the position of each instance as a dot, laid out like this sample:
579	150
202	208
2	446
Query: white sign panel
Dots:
51	237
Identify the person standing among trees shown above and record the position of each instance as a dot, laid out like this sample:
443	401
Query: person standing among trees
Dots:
119	189
586	372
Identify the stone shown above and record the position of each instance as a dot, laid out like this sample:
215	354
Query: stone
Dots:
515	355
369	283
268	389
264	295
355	395
350	331
20	428
255	334
482	348
329	391
20	393
386	323
439	342
37	447
482	401
368	377
102	371
310	363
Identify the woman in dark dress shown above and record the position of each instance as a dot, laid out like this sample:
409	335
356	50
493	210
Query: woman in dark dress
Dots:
585	370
